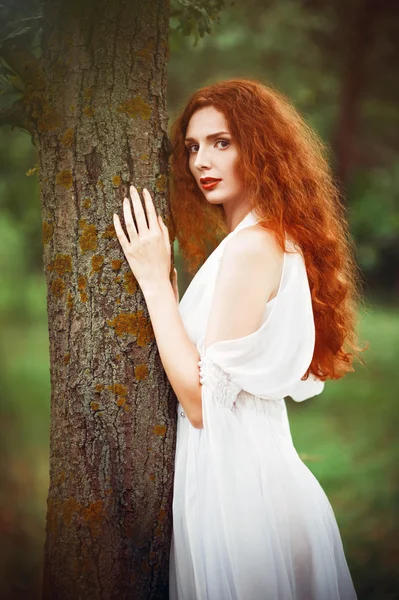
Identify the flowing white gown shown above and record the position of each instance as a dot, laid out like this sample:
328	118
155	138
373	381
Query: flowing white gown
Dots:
250	520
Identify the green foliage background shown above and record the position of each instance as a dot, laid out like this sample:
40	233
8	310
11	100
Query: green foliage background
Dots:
346	436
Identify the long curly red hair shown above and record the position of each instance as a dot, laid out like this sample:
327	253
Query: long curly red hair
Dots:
286	174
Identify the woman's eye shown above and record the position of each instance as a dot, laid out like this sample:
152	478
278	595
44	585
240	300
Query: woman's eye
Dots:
218	142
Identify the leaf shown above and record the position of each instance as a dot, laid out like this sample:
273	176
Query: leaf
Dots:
16	33
6	71
31	171
196	17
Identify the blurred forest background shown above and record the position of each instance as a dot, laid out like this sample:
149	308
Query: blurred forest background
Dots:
337	61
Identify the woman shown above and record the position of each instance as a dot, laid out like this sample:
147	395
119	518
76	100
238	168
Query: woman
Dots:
271	313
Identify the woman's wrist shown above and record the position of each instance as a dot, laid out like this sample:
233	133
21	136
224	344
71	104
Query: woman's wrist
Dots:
156	287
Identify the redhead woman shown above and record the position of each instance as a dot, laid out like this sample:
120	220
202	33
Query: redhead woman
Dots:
270	313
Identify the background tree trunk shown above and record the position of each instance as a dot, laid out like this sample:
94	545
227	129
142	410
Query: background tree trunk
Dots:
100	124
359	45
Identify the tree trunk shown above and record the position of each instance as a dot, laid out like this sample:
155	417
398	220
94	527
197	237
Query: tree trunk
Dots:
100	124
359	47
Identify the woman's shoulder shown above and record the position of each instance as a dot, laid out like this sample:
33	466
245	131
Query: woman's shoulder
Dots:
255	259
255	241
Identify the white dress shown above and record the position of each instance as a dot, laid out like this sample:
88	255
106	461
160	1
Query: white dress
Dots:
250	520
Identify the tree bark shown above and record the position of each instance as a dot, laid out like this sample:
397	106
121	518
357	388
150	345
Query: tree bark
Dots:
100	123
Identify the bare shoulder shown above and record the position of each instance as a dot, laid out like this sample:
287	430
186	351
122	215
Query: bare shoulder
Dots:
254	241
254	258
248	277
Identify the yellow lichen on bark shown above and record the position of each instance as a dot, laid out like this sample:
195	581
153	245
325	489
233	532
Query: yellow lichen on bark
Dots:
88	237
159	430
100	387
87	203
70	302
116	180
88	112
81	287
47	232
109	232
136	107
120	401
97	262
116	265
58	287
118	388
64	179
62	264
135	324
67	138
141	372
125	323
145	336
67	358
130	283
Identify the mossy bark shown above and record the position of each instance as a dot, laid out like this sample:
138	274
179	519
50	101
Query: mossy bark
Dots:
100	122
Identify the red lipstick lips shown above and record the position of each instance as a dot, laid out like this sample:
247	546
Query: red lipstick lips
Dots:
208	183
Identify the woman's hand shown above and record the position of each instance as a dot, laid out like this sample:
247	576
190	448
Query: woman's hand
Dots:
147	250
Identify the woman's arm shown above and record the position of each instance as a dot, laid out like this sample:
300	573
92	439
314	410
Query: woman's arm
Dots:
178	354
148	252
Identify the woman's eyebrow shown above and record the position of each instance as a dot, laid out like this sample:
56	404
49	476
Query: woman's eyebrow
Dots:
208	137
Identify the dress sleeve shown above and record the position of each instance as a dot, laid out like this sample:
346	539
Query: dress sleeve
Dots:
270	362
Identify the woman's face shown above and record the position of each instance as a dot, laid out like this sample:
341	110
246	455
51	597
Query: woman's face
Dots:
213	154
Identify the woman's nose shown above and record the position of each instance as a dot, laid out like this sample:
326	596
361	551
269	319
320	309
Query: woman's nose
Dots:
201	159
